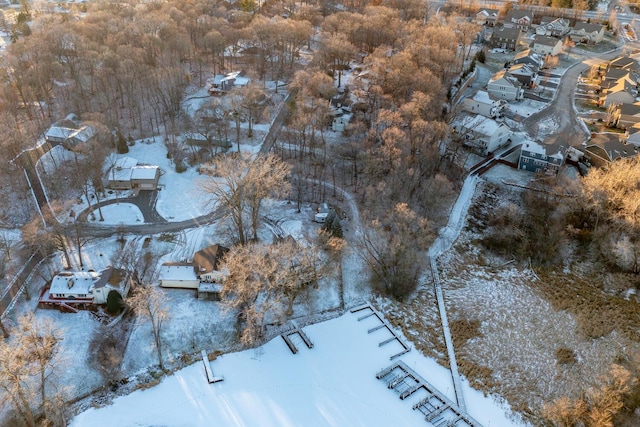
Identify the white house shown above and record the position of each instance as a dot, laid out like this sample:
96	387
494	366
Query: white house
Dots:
587	33
178	275
528	56
126	174
552	26
503	85
518	19
483	104
222	83
87	286
487	17
69	137
543	45
483	134
145	177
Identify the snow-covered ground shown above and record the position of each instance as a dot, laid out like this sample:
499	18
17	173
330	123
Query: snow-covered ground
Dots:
332	384
120	213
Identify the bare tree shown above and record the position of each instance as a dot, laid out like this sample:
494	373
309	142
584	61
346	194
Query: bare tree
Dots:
27	364
392	246
265	281
149	305
267	177
240	186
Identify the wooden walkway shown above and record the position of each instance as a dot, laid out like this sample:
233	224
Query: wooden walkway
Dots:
207	367
383	324
295	329
453	364
436	407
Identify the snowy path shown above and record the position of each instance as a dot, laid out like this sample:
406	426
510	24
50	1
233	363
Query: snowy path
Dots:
443	242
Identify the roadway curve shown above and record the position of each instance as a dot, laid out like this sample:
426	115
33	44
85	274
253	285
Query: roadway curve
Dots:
568	129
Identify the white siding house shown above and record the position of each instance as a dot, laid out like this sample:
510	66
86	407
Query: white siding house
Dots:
178	275
503	85
86	286
483	134
483	104
543	45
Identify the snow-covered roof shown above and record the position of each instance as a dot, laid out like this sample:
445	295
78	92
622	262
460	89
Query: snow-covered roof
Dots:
534	147
144	172
481	125
177	271
83	134
126	162
59	132
120	174
74	282
508	78
483	97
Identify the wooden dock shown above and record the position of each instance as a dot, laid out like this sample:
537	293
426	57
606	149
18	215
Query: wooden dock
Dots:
383	324
207	367
295	329
436	407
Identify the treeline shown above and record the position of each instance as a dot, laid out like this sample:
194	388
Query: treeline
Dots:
396	156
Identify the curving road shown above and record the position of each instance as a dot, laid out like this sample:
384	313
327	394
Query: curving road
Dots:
560	114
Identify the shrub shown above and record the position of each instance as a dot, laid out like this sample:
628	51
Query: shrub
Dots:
115	304
565	356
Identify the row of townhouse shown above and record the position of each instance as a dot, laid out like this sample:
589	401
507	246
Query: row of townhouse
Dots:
518	22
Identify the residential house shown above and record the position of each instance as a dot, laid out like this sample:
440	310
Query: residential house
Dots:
505	38
521	19
481	103
145	177
552	26
209	142
119	177
487	17
223	83
528	56
584	32
69	137
534	158
633	136
618	86
57	134
543	46
178	275
624	63
603	153
627	116
525	73
84	288
502	85
126	174
206	263
484	135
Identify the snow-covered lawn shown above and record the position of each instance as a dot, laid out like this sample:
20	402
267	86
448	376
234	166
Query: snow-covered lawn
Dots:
120	213
332	384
